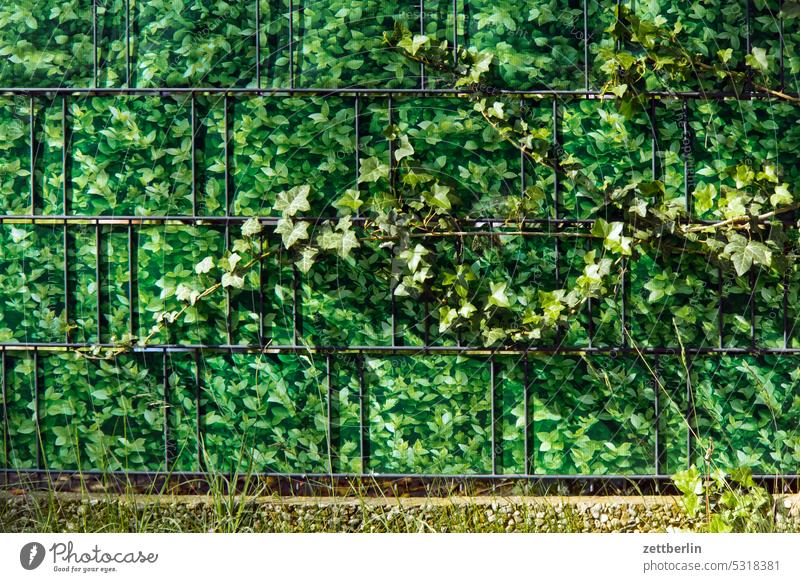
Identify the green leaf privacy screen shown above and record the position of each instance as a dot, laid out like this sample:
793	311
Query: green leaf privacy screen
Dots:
139	139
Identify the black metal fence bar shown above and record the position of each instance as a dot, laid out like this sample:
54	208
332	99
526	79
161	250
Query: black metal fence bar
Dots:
198	403
528	465
656	422
585	45
258	43
98	281
690	416
132	300
64	205
329	410
4	389
33	150
557	149
291	47
37	420
493	413
363	416
128	44
95	67
166	407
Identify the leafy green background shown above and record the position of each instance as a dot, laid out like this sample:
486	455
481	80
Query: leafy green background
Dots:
131	155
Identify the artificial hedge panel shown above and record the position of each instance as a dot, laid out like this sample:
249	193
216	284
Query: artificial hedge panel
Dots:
315	412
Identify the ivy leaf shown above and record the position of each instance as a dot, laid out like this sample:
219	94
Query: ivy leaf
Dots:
744	254
350	202
372	169
467	310
342	240
251	227
758	59
613	239
447	316
290	202
782	196
291	232
186	293
204	266
619	90
231	280
307	259
18	235
414	257
404	150
232	261
439	196
498	295
704	195
492	335
413	44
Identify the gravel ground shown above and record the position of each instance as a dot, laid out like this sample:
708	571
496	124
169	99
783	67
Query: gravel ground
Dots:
139	513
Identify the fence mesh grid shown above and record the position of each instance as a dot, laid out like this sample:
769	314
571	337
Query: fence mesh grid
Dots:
331	388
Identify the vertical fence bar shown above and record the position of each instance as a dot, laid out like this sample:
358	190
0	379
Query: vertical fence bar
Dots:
529	428
131	276
590	307
193	121
686	153
33	151
357	129
297	311
167	445
747	25
94	43
657	465
128	43
492	400
786	331
4	389
228	192
585	45
392	173
291	44
64	206
720	307
362	416
522	176
198	410
36	411
455	32
655	166
690	413
258	44
262	281
329	412
64	157
422	31
781	64
752	307
556	201
98	281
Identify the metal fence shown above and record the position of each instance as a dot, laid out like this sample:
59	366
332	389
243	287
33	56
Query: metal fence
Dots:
552	224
